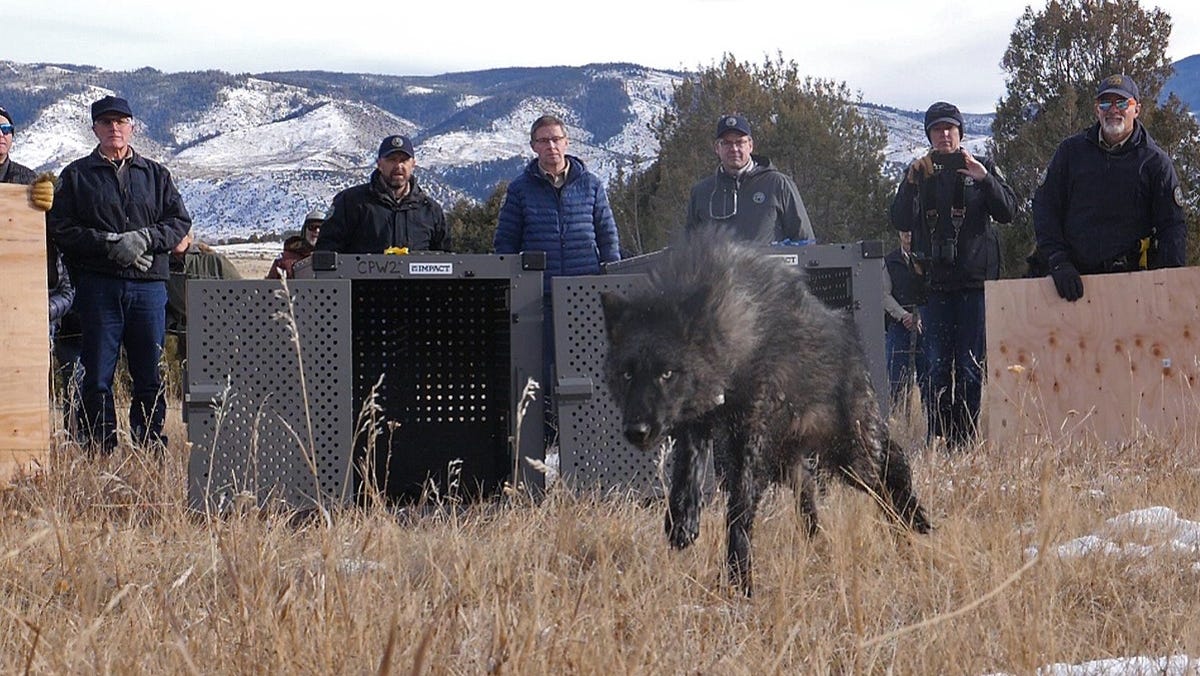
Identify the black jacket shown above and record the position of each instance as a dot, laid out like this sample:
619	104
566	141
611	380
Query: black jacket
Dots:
89	204
11	172
1095	205
977	245
367	219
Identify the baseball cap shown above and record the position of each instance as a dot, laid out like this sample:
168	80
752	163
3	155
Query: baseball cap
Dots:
943	112
315	215
1118	84
111	104
396	143
733	122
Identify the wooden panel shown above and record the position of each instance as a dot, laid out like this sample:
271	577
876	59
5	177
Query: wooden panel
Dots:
1120	362
24	335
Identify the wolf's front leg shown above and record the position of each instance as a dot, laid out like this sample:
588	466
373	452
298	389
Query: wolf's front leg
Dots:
687	483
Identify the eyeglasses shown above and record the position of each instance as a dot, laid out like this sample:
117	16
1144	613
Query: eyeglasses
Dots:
1121	105
550	140
114	121
728	205
6	129
739	143
313	226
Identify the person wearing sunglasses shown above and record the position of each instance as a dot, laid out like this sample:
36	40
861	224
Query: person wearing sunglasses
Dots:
950	201
747	193
1110	200
116	217
298	247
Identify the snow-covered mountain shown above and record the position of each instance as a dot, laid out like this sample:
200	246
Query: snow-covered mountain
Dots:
253	153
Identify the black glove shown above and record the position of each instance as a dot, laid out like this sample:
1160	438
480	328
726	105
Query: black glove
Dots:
1067	282
124	248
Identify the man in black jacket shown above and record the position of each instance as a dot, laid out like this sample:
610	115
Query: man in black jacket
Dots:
948	200
1110	200
388	211
116	217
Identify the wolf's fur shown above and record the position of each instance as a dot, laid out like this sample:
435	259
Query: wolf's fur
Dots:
728	345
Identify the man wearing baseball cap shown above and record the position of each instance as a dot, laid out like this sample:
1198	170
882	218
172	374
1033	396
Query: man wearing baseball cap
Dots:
389	210
950	201
116	217
747	193
1110	200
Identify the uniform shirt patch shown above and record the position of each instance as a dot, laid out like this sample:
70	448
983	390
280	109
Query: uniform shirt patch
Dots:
1178	196
759	198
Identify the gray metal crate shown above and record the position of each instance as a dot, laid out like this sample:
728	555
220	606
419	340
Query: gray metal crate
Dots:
431	352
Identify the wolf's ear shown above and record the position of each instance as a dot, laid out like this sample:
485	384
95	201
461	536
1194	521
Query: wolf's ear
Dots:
614	305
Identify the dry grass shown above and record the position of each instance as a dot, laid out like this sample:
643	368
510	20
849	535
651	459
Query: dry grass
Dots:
104	570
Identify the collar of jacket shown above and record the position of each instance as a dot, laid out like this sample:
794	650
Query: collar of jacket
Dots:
760	164
98	160
1136	140
575	169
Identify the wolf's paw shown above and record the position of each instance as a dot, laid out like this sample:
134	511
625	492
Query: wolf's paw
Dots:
682	531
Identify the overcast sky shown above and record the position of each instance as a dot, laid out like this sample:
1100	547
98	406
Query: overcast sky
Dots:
900	53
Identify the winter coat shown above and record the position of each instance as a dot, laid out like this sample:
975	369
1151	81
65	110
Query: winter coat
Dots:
12	172
976	246
89	205
1095	205
295	249
367	219
573	224
768	205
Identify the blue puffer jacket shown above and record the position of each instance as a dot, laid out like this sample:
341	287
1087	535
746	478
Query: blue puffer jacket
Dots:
573	225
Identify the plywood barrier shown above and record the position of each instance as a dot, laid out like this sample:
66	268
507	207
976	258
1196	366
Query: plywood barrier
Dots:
1119	364
24	336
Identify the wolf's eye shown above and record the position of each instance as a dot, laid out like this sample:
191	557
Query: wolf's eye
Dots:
627	375
666	375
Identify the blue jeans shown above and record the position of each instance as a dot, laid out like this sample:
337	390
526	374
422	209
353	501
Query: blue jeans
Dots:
905	348
955	345
115	312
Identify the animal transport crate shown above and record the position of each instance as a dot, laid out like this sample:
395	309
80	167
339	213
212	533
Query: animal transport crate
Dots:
400	374
593	453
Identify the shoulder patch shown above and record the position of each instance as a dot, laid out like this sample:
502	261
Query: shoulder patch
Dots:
759	198
1178	196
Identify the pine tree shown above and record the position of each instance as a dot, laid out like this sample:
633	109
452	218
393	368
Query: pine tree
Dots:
473	224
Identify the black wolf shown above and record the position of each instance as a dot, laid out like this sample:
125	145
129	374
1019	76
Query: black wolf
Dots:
727	344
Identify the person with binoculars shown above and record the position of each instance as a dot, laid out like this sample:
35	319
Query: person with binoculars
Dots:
948	199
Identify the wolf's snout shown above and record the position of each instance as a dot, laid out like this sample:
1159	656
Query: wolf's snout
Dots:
638	433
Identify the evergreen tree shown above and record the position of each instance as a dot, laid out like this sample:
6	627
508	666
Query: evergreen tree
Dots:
1054	61
810	129
473	225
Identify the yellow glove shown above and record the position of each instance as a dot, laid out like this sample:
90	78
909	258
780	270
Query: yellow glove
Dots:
41	192
396	250
920	169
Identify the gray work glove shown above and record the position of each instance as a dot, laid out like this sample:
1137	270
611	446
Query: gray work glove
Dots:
144	261
125	247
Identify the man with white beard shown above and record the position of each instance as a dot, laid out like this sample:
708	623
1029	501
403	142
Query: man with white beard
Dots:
1110	200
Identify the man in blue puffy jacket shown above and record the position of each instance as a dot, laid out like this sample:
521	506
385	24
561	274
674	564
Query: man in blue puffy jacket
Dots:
557	206
1110	200
116	217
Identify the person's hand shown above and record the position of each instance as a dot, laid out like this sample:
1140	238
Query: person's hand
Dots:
144	262
1067	282
125	247
909	320
41	192
974	168
920	169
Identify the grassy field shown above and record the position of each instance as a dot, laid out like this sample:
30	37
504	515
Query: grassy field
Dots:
104	570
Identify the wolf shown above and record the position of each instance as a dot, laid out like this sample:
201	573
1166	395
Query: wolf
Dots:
727	346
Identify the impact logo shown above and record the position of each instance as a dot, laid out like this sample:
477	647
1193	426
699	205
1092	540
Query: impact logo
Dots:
759	198
431	268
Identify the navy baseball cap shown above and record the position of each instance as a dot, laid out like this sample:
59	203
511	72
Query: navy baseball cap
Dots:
396	143
1118	84
111	104
733	123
